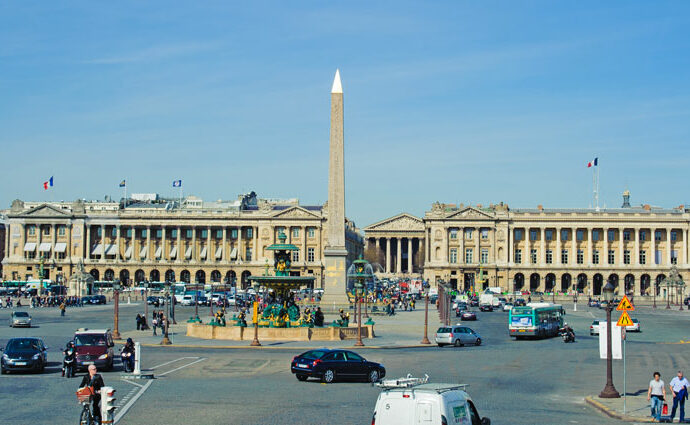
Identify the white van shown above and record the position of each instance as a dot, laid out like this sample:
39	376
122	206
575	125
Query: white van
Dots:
414	401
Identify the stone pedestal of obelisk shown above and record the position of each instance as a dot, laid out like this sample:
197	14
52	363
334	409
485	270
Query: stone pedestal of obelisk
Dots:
335	253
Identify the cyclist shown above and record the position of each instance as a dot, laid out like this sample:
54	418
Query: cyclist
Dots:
94	380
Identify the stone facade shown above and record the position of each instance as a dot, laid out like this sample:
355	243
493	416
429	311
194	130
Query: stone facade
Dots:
535	249
159	241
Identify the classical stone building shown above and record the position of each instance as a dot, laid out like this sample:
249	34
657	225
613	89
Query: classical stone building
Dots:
535	249
159	240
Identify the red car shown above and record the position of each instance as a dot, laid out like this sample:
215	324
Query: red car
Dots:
94	347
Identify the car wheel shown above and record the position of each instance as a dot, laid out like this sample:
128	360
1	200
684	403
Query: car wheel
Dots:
478	341
373	376
301	377
328	376
457	343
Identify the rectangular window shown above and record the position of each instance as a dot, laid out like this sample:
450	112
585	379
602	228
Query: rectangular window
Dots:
310	254
311	232
46	230
453	255
250	233
674	236
595	235
31	229
532	235
295	232
564	235
484	256
143	233
612	256
233	233
533	256
626	257
643	257
626	235
580	235
580	256
295	256
643	235
189	233
60	255
468	256
549	256
485	233
248	253
30	255
564	256
159	233
61	230
219	234
612	235
518	256
549	235
468	233
674	257
518	234
657	235
453	233
204	234
595	256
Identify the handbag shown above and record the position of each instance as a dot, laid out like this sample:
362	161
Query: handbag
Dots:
664	409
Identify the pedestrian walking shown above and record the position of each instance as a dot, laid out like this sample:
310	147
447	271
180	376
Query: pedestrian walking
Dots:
679	388
656	394
62	309
154	322
138	321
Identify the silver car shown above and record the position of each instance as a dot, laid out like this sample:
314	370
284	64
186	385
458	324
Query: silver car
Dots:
20	318
457	335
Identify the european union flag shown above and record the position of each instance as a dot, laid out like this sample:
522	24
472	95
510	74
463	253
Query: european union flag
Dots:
123	183
177	183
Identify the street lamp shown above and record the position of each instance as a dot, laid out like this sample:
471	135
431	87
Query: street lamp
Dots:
426	285
166	340
146	301
609	390
116	309
360	271
255	316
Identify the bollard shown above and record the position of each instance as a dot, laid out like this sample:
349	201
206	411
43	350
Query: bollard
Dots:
137	358
128	299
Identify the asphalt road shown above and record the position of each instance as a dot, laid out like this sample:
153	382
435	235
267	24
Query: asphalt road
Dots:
511	382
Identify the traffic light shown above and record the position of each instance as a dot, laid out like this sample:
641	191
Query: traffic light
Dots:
107	404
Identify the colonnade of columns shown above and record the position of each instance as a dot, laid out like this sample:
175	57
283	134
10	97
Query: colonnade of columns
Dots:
404	247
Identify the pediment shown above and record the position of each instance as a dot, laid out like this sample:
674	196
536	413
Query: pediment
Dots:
295	212
45	211
471	213
400	222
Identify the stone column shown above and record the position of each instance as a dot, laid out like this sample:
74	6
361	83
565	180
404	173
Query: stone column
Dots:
477	258
652	244
428	246
135	254
180	250
255	243
225	244
621	246
53	235
668	246
68	252
378	247
240	254
684	257
461	254
103	242
542	254
528	254
194	256
510	241
164	255
117	243
303	254
409	255
398	256
557	258
636	253
388	255
590	246
209	254
148	243
573	255
87	242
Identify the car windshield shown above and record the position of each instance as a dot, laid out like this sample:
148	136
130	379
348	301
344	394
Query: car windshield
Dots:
21	314
315	354
443	330
22	345
87	339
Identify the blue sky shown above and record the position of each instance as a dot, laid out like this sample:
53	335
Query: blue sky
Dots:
458	101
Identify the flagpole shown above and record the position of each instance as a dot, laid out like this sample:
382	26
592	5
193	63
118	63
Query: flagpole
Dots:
597	167
125	193
594	186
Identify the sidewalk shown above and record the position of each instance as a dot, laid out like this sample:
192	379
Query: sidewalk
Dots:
404	330
637	407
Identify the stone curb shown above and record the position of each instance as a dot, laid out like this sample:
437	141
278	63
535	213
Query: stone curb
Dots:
264	347
612	413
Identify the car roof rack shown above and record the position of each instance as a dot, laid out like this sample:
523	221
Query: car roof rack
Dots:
407	382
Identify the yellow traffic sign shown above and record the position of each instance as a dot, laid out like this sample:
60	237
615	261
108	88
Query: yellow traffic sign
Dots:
625	320
625	304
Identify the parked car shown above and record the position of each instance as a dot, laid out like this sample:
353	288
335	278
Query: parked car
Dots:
507	306
451	404
24	354
457	335
94	346
202	300
20	318
97	299
593	303
468	315
486	307
154	301
331	365
187	300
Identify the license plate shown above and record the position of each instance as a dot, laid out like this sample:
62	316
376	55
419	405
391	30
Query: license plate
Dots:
521	330
20	363
88	363
302	365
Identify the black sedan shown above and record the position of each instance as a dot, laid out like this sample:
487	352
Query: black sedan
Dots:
24	354
329	365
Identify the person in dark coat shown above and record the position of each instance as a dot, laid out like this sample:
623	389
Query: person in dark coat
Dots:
318	317
95	380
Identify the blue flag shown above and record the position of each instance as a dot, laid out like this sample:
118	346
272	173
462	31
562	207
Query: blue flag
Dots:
123	183
177	183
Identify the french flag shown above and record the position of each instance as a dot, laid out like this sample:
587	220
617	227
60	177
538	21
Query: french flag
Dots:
48	184
593	163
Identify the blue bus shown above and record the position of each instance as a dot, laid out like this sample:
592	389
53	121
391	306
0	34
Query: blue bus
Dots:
536	320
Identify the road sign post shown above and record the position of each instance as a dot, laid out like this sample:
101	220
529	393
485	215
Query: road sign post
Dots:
623	322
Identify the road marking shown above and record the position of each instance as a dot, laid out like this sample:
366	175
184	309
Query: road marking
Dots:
182	367
122	411
172	361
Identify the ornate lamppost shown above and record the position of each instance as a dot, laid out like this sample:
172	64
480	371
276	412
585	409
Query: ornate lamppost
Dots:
609	390
172	302
425	340
255	316
116	309
360	271
166	339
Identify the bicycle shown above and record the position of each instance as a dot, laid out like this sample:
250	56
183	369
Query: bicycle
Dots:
84	396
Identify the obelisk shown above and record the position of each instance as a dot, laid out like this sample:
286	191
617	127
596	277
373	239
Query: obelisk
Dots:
335	253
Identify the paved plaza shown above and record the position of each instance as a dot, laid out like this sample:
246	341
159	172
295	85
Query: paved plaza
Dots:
516	382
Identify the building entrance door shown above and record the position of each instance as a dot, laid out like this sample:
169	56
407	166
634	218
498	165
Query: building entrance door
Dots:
469	282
